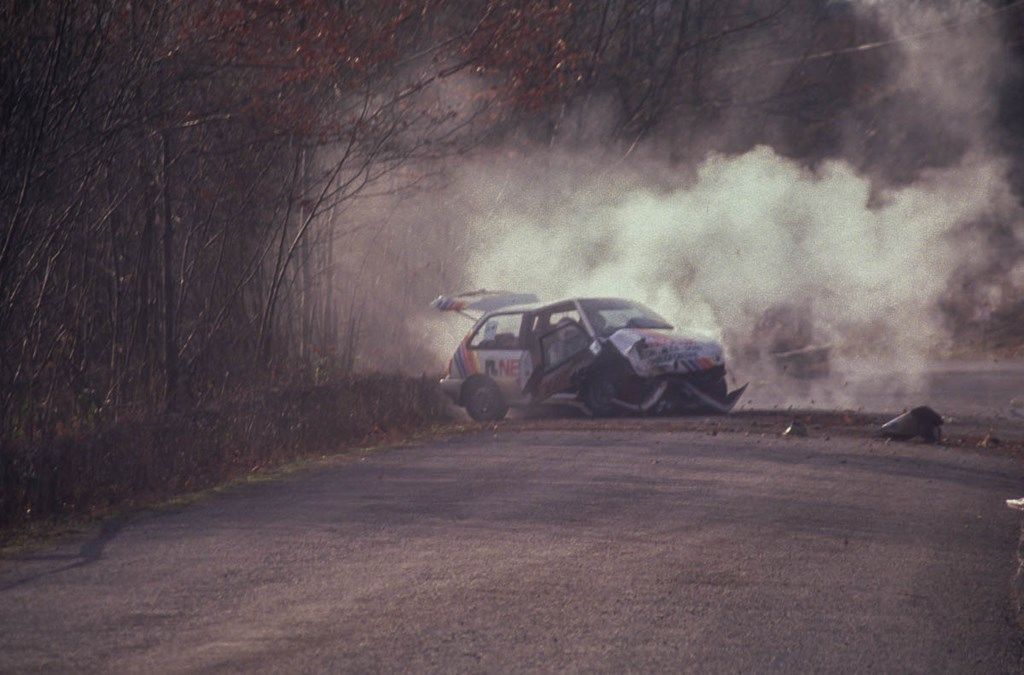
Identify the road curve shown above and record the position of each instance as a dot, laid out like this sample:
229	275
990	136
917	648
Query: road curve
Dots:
549	550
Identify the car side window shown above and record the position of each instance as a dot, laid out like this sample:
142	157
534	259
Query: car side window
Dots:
498	332
561	318
562	343
549	319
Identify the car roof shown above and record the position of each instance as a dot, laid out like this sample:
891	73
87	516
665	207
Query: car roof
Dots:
538	306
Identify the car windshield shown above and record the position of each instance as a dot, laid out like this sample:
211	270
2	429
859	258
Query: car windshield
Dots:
608	316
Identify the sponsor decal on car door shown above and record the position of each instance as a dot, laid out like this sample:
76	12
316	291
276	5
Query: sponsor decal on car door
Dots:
498	352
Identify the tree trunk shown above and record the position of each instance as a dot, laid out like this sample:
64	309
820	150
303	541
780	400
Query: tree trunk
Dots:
170	348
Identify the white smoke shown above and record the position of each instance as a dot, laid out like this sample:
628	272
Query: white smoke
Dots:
714	246
745	234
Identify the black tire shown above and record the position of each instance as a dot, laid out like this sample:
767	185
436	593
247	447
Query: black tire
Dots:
598	392
484	402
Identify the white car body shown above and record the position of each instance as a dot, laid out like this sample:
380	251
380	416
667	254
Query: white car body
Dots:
524	354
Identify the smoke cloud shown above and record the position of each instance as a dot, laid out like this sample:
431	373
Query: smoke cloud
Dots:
745	234
867	242
868	236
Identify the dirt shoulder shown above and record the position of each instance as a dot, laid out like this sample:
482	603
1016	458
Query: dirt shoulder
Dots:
149	460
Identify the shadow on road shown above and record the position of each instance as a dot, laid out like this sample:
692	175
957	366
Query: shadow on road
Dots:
90	552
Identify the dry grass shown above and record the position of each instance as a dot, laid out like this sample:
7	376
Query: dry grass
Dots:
158	457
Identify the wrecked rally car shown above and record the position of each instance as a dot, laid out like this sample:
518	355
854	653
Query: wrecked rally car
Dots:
606	355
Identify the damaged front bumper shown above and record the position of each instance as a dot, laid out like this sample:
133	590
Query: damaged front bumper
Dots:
676	394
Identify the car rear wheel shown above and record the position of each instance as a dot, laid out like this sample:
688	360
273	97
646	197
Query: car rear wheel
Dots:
484	402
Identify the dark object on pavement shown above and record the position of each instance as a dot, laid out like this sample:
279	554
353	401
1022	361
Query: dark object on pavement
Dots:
921	421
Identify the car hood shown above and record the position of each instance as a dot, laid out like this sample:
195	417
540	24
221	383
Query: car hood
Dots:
654	352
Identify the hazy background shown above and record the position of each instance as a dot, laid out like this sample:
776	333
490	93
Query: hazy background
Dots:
197	199
894	221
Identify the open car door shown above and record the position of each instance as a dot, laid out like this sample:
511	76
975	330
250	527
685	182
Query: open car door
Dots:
558	354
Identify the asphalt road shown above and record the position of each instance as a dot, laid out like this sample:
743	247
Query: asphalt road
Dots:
515	550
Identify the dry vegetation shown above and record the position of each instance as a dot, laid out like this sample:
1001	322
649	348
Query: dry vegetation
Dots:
159	456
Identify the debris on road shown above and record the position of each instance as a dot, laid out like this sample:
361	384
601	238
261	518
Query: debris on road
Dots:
796	428
1016	504
989	441
921	421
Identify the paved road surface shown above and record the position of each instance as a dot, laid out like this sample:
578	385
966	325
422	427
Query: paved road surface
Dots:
550	550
